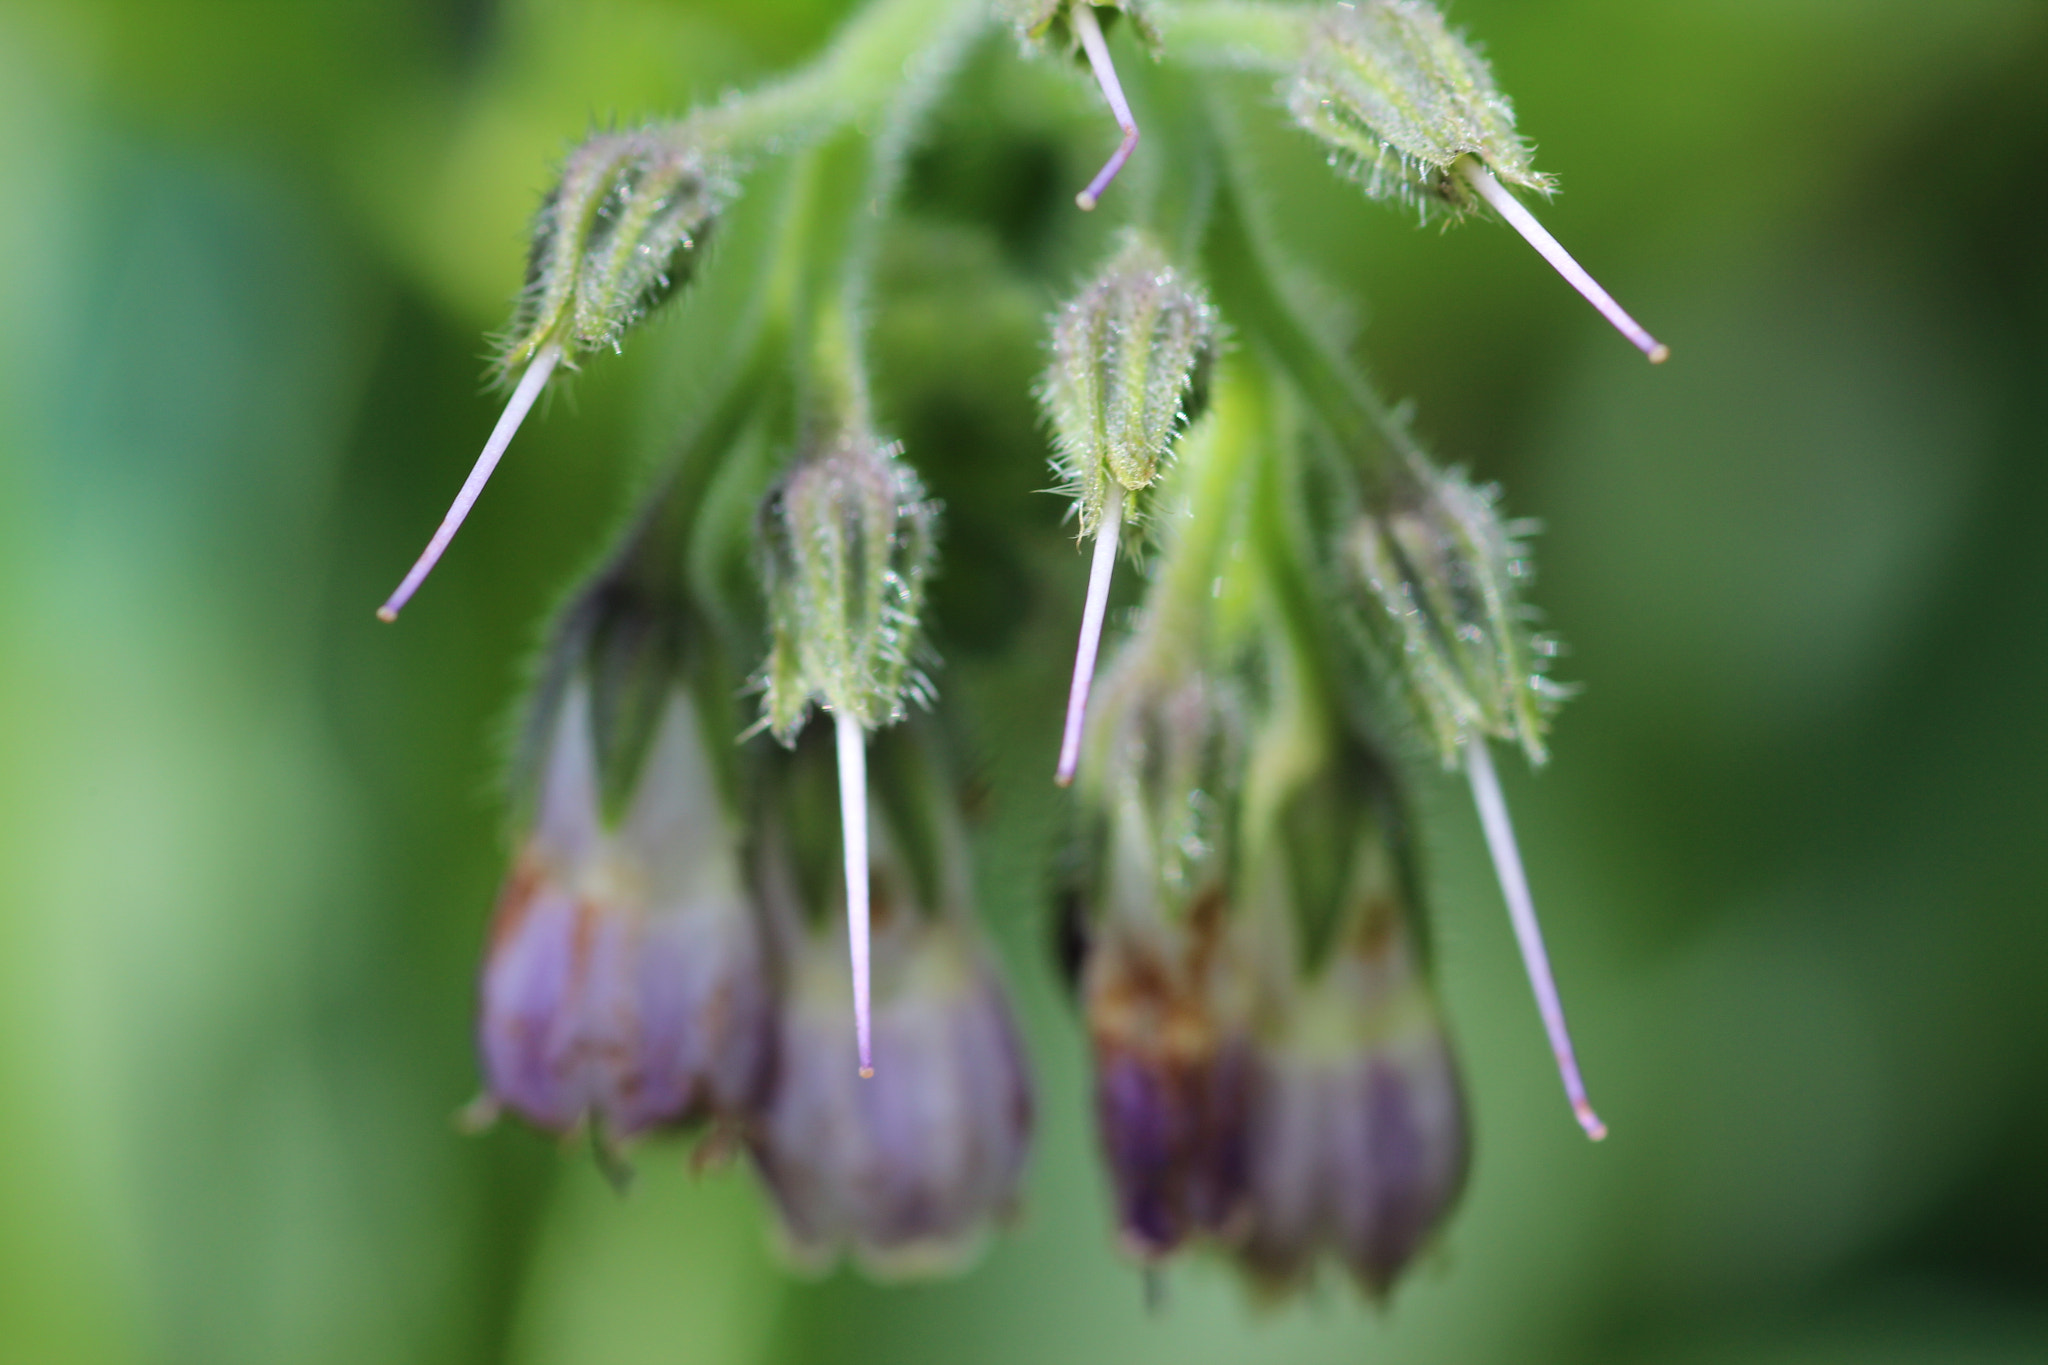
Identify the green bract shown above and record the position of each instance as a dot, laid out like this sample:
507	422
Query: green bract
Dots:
1399	99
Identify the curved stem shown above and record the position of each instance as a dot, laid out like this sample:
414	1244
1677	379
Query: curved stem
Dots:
1514	885
853	819
1108	535
1548	247
522	400
1090	32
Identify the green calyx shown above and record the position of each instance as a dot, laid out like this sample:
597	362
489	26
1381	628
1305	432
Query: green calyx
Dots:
1127	372
846	543
1443	576
1399	99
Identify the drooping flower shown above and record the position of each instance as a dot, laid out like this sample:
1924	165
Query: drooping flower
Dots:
904	1169
626	984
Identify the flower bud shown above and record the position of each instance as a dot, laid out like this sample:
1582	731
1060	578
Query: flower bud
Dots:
1126	355
615	238
1443	577
907	1167
626	982
1399	99
846	543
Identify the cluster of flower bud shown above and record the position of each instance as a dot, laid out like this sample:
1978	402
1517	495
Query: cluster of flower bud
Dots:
665	955
1272	1076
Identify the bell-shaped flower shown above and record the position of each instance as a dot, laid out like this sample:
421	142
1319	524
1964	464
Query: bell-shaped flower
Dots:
1356	1137
627	983
904	1169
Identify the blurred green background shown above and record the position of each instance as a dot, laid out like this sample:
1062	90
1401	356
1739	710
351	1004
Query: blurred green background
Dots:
1791	851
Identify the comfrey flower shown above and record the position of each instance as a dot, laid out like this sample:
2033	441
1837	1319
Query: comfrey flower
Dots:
1125	378
1438	579
615	238
626	983
1356	1138
1165	986
906	1169
1412	112
846	543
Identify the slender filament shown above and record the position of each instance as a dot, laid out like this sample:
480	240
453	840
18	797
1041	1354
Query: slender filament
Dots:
1108	535
1547	246
1090	33
521	402
853	820
1514	884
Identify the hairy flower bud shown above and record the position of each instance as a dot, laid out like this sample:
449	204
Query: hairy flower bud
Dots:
615	238
1411	112
846	543
1399	99
1127	353
905	1168
1165	985
626	982
1443	578
1127	363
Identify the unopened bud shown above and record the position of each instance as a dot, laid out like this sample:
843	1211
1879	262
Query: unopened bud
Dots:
1410	110
1127	368
846	543
1444	577
614	238
1399	99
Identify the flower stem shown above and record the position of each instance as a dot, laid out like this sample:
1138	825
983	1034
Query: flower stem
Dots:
1514	885
1090	33
530	385
1108	535
1548	247
853	818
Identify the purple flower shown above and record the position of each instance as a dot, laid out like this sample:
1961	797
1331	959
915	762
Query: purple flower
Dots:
626	980
905	1168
